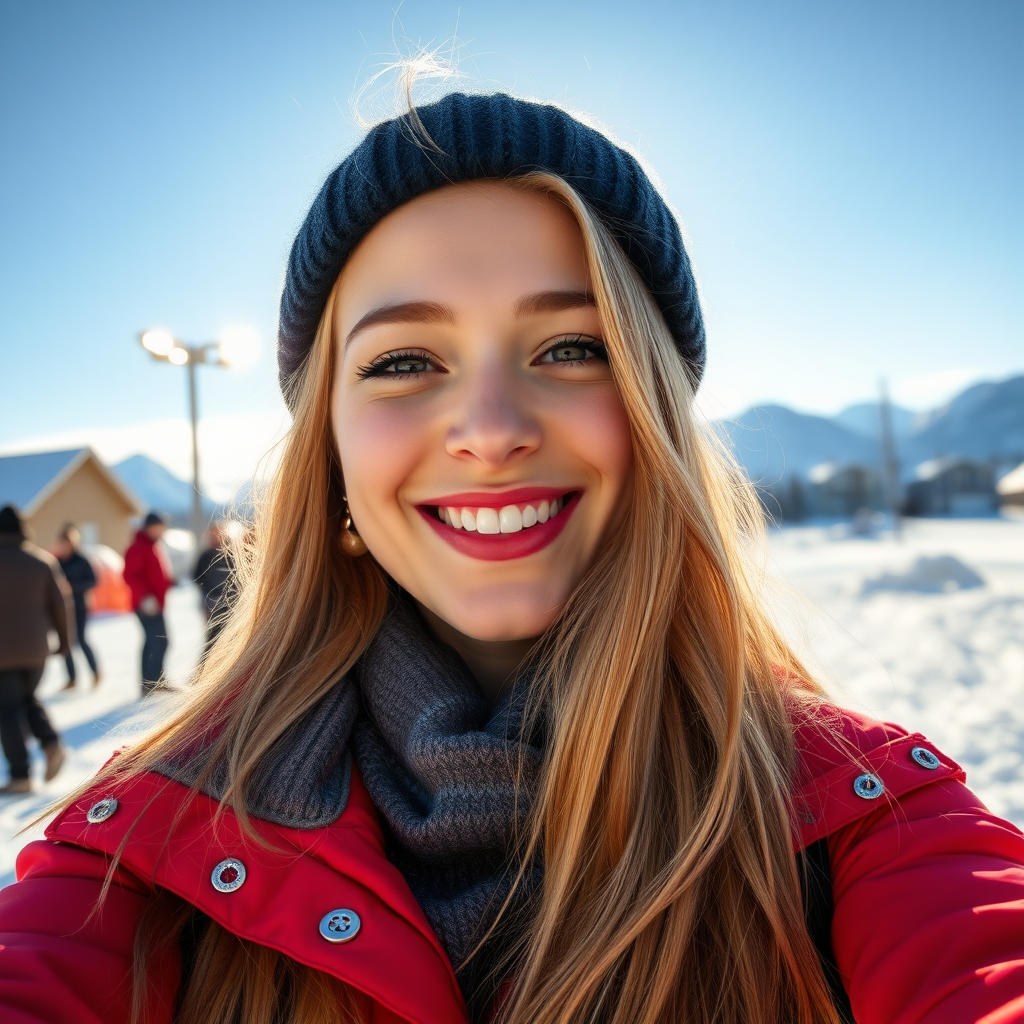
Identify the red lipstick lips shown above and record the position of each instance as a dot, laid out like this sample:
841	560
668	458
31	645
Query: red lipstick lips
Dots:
498	547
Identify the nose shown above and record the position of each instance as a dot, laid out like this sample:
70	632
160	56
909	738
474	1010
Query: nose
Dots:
493	423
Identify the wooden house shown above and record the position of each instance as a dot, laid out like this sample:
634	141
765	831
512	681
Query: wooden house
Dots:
50	489
1011	488
952	487
843	488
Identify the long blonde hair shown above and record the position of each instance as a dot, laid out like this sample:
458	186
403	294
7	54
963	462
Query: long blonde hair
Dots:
670	889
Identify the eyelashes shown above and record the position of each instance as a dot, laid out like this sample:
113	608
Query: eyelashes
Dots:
569	350
397	364
561	353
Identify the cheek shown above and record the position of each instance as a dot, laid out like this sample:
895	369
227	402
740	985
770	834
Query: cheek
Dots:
597	429
379	445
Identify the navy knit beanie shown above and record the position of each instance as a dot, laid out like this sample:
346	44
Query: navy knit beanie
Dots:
484	137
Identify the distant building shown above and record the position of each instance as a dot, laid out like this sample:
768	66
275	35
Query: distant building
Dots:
54	488
843	489
783	501
1011	488
951	486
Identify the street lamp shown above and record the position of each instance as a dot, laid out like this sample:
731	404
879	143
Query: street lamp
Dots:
235	348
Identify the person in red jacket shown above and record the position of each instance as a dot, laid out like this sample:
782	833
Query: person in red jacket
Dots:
147	572
499	730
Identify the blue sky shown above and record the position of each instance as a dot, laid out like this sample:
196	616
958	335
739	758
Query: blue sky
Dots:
849	177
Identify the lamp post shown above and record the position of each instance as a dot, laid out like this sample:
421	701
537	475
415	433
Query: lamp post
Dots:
165	348
890	465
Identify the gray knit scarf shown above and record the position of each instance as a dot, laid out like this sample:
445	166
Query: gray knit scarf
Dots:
441	766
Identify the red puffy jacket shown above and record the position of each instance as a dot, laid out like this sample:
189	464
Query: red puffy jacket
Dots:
928	887
147	570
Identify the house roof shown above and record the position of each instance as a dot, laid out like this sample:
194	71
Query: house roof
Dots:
826	471
28	480
1013	482
934	468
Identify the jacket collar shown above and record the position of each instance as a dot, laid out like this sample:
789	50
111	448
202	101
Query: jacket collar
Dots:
175	840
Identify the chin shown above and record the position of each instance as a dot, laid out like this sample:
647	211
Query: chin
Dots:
508	613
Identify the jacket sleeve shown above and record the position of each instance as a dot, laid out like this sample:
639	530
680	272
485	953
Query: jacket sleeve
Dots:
61	610
133	576
87	578
155	576
928	926
63	960
203	563
158	573
166	572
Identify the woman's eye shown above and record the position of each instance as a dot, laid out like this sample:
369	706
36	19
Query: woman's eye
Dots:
397	364
575	350
410	366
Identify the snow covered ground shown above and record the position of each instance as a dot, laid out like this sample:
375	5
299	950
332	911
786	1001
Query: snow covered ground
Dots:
94	723
949	662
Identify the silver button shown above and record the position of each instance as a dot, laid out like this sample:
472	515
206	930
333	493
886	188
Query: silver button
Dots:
925	758
101	810
228	875
340	925
868	787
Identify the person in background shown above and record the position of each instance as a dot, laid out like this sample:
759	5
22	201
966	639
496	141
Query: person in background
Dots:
213	573
34	598
81	577
147	572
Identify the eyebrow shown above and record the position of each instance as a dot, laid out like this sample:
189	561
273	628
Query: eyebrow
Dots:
404	313
552	302
435	313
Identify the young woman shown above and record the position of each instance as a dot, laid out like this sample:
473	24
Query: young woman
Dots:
498	729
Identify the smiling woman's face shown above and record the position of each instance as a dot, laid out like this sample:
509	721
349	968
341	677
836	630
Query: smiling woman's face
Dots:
486	454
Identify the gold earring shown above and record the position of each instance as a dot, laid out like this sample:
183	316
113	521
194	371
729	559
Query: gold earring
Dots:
351	543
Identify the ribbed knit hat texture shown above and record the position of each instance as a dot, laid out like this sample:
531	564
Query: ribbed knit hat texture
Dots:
496	136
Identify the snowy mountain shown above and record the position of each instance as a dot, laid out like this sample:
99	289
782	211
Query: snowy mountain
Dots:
985	422
158	487
773	442
866	419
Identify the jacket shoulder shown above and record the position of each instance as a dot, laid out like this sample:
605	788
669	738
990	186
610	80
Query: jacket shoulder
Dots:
32	558
849	764
279	886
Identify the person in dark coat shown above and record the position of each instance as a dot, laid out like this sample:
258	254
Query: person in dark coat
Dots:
81	577
34	599
213	572
147	572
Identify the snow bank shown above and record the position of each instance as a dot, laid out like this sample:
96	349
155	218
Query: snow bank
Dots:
93	723
948	663
938	574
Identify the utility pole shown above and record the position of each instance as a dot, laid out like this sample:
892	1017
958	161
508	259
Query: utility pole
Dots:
890	466
231	350
197	508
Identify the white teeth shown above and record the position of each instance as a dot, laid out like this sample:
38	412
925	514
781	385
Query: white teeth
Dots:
487	521
510	519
